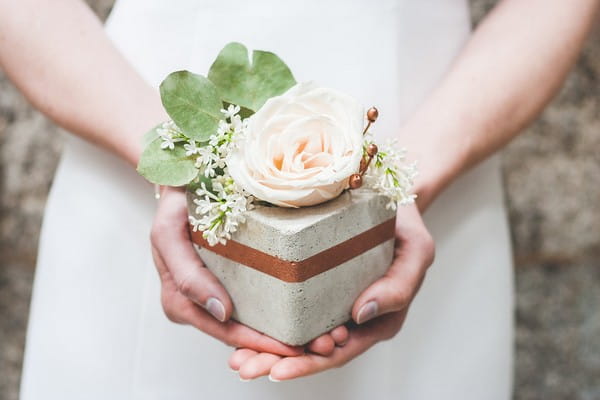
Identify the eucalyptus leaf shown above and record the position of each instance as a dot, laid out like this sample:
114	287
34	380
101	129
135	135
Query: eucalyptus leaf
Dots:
151	135
247	84
166	167
193	103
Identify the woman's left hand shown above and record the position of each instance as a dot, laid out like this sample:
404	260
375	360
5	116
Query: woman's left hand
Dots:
379	311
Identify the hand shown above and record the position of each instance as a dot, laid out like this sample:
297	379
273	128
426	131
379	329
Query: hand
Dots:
191	294
379	311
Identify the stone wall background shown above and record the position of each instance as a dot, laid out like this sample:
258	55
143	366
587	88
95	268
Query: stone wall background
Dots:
552	177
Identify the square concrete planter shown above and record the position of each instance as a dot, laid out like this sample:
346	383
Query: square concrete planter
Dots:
294	274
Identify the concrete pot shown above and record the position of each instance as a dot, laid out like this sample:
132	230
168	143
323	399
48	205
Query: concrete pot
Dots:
294	274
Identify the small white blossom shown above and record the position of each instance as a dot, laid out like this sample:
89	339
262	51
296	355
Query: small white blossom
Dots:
222	129
219	211
191	148
208	171
390	175
206	156
170	134
211	236
231	111
167	143
204	205
236	124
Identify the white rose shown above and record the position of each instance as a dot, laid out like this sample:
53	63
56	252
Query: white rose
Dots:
300	147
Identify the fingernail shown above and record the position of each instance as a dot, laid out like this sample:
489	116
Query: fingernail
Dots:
273	379
245	380
216	308
235	371
367	312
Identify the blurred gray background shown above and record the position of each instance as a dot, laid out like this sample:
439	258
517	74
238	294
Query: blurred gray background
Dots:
552	178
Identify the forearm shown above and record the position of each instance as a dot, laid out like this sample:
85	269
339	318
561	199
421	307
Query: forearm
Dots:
509	70
57	54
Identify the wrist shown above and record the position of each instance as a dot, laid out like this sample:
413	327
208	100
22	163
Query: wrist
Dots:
429	184
142	119
132	151
440	159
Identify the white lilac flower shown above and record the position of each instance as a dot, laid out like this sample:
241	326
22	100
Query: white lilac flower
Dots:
223	128
236	124
231	225
221	163
191	148
206	156
195	222
390	175
208	171
231	111
167	143
211	236
169	134
219	211
204	205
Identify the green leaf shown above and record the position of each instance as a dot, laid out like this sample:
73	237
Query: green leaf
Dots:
247	84
151	135
193	103
166	167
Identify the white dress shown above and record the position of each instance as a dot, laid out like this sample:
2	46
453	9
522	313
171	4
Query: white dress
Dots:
97	330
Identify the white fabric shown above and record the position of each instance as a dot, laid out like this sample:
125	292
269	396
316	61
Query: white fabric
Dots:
97	330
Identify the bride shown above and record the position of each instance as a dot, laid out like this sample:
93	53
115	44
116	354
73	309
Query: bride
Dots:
101	323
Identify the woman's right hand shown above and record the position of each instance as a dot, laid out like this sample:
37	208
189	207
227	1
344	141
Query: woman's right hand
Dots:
191	294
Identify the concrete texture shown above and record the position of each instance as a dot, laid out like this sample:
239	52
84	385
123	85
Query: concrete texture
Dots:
551	174
297	234
303	310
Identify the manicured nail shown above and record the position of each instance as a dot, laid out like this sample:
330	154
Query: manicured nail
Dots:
367	312
235	371
245	380
273	379
216	308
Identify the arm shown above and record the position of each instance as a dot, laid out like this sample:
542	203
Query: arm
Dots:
57	53
515	62
509	70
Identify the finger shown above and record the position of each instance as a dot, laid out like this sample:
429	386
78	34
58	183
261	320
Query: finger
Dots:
172	245
235	334
396	289
239	356
323	345
295	367
309	364
180	309
393	292
360	339
258	365
243	336
192	280
340	335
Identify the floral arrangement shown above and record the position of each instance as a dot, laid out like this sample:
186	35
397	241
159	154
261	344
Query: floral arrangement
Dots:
248	133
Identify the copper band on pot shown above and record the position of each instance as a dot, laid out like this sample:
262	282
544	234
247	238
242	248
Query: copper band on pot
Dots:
299	271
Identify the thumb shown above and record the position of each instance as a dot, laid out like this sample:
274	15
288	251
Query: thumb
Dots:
174	253
396	289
